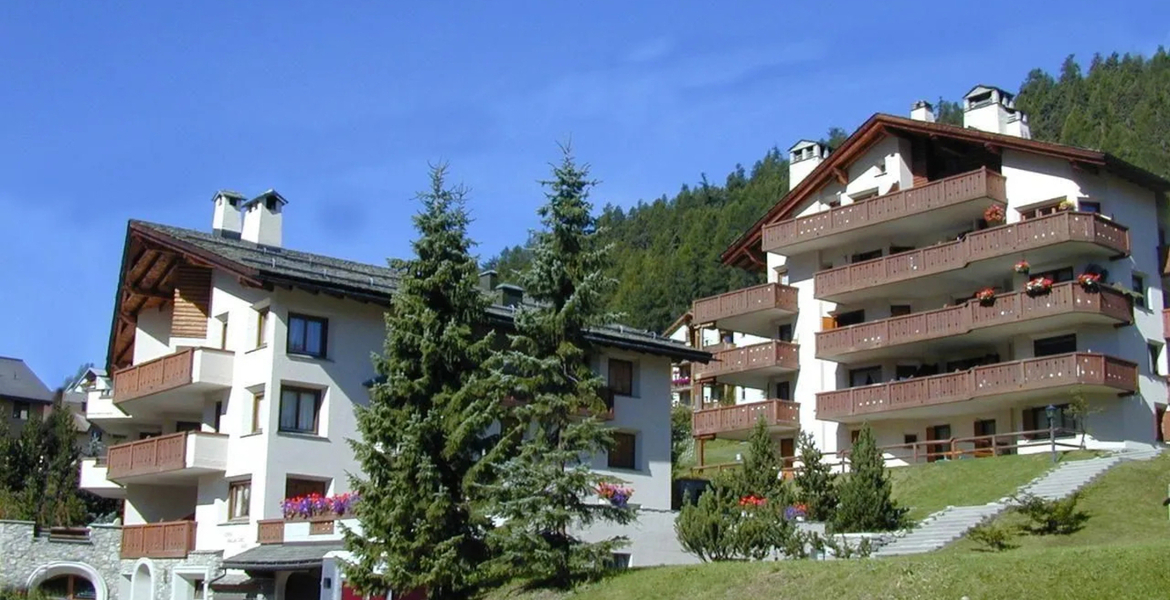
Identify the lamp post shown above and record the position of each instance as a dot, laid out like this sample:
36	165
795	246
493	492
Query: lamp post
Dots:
1051	410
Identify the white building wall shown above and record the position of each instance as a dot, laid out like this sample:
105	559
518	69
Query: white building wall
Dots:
152	336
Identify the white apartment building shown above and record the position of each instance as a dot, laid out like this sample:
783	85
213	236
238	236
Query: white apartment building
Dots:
955	287
236	365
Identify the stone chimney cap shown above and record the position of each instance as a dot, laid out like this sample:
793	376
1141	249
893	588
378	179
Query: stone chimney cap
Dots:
923	104
271	193
228	194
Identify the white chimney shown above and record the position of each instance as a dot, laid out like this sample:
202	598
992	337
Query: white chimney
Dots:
226	220
922	111
988	108
262	219
803	158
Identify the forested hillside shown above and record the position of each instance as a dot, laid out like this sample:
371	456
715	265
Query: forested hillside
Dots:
666	252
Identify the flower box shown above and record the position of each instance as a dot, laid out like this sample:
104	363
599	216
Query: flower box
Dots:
1090	282
617	495
1022	267
985	296
1038	286
994	215
315	507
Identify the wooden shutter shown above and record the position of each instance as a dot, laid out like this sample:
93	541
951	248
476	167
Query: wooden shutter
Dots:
192	302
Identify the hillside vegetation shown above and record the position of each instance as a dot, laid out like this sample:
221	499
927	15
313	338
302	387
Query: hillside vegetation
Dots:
666	252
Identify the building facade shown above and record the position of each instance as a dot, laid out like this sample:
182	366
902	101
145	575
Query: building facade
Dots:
236	367
23	396
956	288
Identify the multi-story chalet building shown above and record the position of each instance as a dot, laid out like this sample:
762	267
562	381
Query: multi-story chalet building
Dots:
951	286
23	396
236	366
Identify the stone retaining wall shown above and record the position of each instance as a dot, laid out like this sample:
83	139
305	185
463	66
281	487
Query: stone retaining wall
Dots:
30	557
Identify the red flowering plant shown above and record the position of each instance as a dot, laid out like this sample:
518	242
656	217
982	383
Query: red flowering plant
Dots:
985	296
752	501
1038	286
1089	281
994	215
316	505
1022	267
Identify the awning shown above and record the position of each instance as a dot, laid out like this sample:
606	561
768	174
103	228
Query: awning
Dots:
281	557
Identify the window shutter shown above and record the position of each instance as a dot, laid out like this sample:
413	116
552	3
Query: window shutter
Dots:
192	302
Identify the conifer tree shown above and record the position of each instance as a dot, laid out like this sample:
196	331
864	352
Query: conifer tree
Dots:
546	491
40	471
422	432
760	475
815	481
866	503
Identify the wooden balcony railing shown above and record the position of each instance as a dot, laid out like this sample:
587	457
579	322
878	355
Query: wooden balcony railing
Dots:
742	417
1008	308
995	242
153	376
270	531
158	540
906	203
1166	322
143	457
774	354
1062	370
768	296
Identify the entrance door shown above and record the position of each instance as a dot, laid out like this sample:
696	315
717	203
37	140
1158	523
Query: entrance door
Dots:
937	432
984	447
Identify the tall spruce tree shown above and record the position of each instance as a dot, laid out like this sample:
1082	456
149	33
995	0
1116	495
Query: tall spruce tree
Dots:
760	475
866	503
815	481
40	471
546	492
422	432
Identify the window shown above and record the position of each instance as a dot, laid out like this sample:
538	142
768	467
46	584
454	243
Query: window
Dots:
784	390
1056	275
905	372
1089	207
257	405
621	377
68	587
846	319
619	560
622	455
239	499
295	486
298	409
20	410
866	376
910	438
784	332
900	249
864	256
899	310
1061	344
1138	284
223	331
261	326
853	435
218	415
1036	419
985	427
307	335
188	426
1154	351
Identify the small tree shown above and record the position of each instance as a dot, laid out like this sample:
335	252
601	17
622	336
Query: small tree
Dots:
40	471
816	484
680	432
865	498
725	525
760	475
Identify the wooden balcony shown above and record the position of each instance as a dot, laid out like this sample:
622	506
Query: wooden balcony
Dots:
751	310
980	256
158	540
736	422
939	204
1012	313
750	365
1166	322
1093	374
168	458
169	379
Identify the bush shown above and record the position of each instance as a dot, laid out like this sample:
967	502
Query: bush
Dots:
993	537
865	500
1051	517
725	525
815	482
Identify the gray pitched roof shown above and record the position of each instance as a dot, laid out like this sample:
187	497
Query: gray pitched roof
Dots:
281	557
18	381
374	282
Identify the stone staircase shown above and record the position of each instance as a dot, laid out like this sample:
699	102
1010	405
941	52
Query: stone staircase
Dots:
950	524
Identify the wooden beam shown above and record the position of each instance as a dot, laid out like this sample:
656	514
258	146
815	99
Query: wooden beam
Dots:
145	268
841	175
149	293
992	148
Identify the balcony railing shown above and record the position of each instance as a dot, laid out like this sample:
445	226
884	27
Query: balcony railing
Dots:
185	367
158	540
769	296
1034	374
1009	308
743	417
1166	322
167	453
995	242
906	203
768	355
270	531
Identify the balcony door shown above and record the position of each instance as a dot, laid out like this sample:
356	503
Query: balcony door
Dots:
1061	344
984	427
937	432
787	450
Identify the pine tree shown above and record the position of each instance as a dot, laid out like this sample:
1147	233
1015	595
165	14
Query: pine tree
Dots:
41	470
815	482
760	475
422	432
546	491
866	504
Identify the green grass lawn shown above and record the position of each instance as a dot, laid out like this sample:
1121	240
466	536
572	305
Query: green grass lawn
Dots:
928	488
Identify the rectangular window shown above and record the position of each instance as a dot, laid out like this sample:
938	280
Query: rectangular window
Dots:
621	377
1061	344
1154	351
784	390
1036	419
622	455
307	335
1089	207
295	486
20	410
846	319
298	409
784	332
257	407
223	331
1056	275
853	435
910	438
188	426
866	376
218	416
899	310
239	499
261	326
1138	284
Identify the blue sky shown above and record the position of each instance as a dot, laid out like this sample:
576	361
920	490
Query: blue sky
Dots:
112	111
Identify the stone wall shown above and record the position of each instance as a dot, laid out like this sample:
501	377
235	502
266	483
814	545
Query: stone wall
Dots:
165	574
30	559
